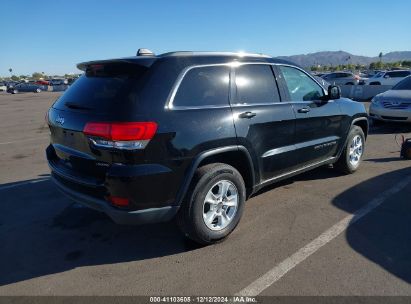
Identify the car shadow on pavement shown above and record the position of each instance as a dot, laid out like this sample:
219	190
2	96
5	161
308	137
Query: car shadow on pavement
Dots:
390	128
322	173
384	159
42	233
384	235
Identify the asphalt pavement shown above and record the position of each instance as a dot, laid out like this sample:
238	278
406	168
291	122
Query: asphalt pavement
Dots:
320	233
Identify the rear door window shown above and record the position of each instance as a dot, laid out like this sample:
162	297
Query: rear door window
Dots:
256	84
104	88
204	86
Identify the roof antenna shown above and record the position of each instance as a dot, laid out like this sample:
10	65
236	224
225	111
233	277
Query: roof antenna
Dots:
144	52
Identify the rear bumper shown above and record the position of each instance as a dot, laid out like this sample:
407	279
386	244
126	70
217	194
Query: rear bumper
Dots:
149	188
124	217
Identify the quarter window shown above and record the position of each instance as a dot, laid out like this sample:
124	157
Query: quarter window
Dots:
256	84
204	86
300	86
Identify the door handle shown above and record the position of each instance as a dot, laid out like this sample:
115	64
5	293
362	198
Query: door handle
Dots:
247	115
304	110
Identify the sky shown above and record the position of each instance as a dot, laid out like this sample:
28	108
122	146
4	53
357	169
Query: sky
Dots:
53	36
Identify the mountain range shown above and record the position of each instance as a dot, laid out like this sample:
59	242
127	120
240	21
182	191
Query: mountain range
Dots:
341	57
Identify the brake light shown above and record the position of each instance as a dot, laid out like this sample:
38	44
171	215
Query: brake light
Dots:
118	201
120	135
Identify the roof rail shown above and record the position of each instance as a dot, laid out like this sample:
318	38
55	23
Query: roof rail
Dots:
191	53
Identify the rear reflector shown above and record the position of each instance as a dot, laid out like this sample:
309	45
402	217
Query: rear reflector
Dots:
121	135
118	201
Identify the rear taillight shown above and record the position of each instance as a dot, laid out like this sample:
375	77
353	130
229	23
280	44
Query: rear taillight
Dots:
120	135
118	201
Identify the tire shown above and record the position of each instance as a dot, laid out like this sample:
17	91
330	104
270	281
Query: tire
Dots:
14	92
37	91
349	163
195	208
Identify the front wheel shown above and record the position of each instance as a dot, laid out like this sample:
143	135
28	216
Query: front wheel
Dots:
214	204
38	90
351	156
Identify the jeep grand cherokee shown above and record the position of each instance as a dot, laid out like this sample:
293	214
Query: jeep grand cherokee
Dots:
192	135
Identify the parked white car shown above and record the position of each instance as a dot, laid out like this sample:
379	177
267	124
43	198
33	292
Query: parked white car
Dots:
388	77
394	104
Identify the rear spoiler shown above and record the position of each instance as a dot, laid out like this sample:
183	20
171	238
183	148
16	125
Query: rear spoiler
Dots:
146	62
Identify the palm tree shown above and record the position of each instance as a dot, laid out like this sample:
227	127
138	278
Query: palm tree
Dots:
380	56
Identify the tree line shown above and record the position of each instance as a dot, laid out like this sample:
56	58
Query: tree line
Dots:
36	76
379	65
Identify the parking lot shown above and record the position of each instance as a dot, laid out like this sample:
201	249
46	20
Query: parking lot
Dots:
303	236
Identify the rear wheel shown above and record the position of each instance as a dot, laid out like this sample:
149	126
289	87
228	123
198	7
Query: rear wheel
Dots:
213	205
350	158
14	91
38	90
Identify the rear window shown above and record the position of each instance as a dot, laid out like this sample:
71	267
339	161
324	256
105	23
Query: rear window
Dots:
104	88
403	84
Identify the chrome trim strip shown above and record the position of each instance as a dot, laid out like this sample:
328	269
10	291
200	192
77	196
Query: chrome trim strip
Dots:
169	103
296	171
305	144
279	150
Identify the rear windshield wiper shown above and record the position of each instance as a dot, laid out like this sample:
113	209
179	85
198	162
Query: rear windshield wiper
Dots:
73	105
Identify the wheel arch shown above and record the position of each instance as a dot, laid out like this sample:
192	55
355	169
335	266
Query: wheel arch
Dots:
361	122
235	156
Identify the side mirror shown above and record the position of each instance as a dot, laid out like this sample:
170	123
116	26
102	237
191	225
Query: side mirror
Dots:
334	92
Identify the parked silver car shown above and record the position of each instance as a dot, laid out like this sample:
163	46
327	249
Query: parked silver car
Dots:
393	105
24	87
325	84
341	78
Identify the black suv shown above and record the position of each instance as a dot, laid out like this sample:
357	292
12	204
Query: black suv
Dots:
193	135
